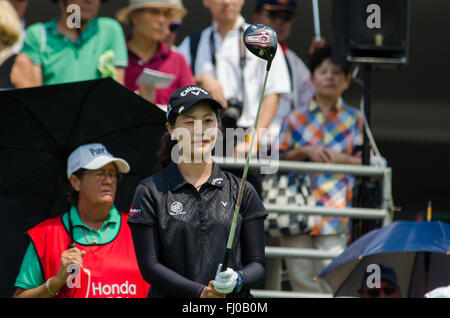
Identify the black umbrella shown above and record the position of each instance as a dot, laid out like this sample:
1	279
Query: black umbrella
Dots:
40	127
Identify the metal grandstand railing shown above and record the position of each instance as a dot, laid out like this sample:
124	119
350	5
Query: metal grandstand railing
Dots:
278	253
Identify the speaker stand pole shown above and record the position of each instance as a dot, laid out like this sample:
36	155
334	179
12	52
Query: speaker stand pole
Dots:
367	111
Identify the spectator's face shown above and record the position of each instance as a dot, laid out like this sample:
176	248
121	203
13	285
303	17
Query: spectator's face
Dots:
279	20
88	8
329	80
224	11
387	290
20	6
97	186
152	23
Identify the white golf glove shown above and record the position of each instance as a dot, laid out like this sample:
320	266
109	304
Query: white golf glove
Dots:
224	282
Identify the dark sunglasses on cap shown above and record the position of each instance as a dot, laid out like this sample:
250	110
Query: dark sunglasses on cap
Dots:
283	15
387	290
174	26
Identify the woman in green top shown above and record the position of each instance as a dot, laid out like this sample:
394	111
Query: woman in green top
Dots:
98	232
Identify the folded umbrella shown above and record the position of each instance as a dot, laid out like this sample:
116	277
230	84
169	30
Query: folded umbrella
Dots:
40	127
409	248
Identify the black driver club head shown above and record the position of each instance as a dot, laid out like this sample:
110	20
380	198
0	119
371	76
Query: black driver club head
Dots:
262	41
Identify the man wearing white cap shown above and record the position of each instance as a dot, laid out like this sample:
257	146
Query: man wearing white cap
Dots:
92	238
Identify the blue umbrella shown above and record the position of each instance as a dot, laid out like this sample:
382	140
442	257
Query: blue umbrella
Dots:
419	253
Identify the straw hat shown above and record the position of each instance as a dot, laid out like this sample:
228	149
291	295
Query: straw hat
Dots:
177	5
10	27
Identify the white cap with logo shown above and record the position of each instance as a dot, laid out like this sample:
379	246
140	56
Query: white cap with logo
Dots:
91	157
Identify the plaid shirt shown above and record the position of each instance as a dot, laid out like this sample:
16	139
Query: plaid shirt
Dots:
341	131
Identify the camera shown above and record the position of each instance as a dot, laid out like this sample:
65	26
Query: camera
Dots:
229	118
232	113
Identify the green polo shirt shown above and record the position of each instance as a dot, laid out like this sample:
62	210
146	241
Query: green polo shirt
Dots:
30	275
63	60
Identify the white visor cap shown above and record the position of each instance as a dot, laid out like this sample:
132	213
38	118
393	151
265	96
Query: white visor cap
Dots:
92	157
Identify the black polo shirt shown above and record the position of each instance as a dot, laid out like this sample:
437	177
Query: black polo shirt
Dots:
193	226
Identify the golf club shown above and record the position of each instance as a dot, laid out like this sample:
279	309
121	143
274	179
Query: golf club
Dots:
315	4
262	41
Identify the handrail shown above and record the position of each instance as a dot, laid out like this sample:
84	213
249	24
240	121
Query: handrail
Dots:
281	252
384	214
361	213
262	293
304	167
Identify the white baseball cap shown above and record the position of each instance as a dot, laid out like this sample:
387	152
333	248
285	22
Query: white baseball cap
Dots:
92	157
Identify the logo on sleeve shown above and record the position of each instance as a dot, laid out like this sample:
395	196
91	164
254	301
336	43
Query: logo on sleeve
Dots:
133	211
176	208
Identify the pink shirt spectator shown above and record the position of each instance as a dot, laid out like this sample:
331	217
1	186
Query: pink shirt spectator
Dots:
165	60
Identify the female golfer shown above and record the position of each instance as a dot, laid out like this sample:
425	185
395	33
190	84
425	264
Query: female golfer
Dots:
181	216
87	252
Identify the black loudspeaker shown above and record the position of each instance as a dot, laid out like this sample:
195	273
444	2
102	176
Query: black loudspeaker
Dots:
371	31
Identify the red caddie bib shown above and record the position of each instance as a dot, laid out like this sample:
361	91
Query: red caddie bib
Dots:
109	270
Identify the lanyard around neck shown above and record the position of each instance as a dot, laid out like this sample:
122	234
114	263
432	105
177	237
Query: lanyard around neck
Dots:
291	81
242	56
94	240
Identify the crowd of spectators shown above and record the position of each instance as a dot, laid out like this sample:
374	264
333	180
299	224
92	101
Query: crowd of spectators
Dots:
302	102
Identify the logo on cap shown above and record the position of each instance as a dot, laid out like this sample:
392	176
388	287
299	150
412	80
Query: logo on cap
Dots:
193	90
75	166
99	152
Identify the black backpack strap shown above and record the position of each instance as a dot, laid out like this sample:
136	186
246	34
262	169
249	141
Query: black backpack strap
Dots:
194	41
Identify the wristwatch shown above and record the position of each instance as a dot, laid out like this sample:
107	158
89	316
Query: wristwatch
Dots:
239	284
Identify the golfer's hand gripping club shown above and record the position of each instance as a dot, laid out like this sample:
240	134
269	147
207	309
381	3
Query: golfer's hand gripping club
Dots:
262	41
225	281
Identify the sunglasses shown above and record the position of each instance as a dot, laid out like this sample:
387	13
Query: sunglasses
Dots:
174	26
101	174
387	290
283	15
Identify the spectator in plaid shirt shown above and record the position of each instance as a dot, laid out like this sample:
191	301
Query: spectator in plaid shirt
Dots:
327	131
